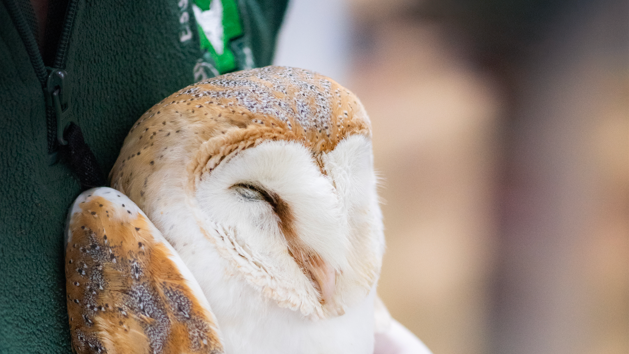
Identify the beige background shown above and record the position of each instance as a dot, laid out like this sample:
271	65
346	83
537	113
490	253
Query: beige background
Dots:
505	197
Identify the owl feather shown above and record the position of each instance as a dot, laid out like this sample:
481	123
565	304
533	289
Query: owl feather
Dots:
260	200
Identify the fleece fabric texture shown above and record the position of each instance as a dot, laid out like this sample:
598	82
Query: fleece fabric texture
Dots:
123	57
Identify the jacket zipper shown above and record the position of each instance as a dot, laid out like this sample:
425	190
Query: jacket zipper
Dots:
54	80
29	40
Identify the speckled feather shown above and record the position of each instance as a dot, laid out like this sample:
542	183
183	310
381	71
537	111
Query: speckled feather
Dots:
306	143
187	135
126	292
207	122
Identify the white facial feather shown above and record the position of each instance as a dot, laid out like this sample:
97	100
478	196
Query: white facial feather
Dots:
289	171
350	167
263	182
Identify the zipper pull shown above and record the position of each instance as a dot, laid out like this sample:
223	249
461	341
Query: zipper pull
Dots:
69	138
57	97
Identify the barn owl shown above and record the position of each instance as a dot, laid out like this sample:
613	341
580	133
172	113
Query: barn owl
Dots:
243	218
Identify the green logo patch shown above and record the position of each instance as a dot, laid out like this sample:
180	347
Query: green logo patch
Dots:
218	23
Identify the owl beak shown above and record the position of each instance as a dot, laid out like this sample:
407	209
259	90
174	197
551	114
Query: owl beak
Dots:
325	278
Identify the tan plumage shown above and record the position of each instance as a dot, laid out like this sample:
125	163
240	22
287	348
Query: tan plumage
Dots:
125	293
209	121
188	134
262	180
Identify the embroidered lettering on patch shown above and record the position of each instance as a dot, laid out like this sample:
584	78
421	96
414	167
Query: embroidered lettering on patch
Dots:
185	34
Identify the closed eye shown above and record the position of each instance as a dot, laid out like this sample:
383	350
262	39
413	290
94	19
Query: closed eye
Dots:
252	193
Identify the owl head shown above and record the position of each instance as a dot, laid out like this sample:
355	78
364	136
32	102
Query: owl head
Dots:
263	182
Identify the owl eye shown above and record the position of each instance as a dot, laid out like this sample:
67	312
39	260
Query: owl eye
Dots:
249	192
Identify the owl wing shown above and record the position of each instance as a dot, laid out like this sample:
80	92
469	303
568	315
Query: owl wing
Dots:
127	289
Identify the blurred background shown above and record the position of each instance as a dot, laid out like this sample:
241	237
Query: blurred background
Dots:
501	133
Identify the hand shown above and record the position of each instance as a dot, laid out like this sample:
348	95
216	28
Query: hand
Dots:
398	340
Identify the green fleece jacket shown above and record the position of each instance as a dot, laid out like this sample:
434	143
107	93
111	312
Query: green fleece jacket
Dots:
120	58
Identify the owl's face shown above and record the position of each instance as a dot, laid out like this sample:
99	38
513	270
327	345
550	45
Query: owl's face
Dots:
263	178
309	227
